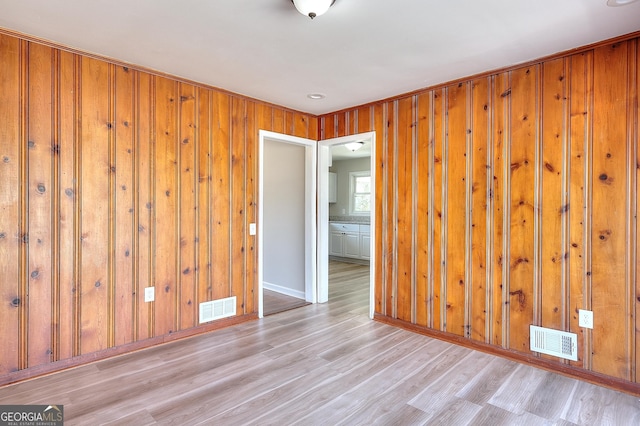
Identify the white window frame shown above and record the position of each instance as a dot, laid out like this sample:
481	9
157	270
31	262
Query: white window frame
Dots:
352	188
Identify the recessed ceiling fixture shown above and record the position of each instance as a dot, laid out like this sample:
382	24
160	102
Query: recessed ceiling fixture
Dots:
313	8
616	3
315	96
354	146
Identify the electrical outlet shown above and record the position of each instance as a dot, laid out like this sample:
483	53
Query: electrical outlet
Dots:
585	318
149	294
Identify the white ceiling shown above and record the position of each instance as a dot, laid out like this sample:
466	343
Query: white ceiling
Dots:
359	51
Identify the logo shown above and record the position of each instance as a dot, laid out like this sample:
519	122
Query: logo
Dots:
31	415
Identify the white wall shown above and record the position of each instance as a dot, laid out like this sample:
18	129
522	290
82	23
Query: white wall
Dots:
342	169
284	218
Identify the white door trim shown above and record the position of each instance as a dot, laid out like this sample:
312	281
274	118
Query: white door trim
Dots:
323	214
310	236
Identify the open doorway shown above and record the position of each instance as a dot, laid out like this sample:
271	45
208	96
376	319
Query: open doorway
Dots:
345	231
286	219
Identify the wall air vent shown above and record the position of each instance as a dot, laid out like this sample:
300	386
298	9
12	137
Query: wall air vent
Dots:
216	309
554	342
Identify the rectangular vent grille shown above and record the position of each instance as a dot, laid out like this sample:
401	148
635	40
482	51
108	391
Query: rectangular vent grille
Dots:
554	342
216	309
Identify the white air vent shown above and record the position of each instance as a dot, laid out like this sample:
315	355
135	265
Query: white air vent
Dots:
216	309
554	342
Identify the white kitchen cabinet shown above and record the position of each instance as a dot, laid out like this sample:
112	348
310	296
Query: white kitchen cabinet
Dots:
352	245
333	187
346	240
336	244
365	242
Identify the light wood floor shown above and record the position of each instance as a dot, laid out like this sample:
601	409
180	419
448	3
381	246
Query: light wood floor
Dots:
274	302
321	365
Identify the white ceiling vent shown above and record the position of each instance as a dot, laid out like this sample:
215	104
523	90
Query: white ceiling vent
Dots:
216	309
554	342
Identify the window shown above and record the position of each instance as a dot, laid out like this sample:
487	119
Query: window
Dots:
360	193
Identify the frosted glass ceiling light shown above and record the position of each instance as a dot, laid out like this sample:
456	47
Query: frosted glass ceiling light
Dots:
616	3
354	146
312	8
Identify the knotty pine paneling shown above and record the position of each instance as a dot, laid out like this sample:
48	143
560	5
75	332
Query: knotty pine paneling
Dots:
11	227
95	198
40	215
579	128
66	337
611	217
454	160
522	148
479	182
112	180
423	193
523	206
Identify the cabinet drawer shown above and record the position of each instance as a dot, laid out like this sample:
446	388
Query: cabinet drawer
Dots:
365	229
343	227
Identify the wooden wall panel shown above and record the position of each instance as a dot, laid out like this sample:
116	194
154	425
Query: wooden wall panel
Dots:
114	180
123	157
341	124
66	326
166	213
188	213
479	180
389	232
95	178
278	121
380	206
609	212
238	222
423	193
438	238
523	207
553	204
251	196
455	193
11	298
221	233
144	179
580	100
636	299
404	190
204	211
39	210
499	207
364	120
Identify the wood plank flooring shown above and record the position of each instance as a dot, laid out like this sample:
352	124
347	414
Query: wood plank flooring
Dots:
274	302
321	365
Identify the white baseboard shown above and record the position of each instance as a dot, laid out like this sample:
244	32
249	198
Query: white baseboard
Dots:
283	290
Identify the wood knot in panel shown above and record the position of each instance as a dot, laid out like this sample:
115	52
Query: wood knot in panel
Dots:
522	299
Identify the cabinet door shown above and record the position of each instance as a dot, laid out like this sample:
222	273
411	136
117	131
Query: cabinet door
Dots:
333	187
351	245
365	246
335	244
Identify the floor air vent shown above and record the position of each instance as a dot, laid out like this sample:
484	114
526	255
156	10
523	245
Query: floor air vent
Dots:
216	309
553	342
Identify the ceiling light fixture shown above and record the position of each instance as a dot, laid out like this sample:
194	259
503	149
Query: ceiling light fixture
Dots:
354	146
312	8
616	3
315	96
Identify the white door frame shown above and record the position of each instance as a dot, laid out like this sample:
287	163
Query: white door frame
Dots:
323	214
310	236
